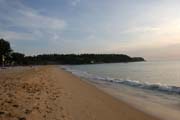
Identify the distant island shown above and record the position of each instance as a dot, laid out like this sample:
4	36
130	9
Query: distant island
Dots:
9	57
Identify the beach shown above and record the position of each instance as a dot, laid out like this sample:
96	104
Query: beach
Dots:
50	93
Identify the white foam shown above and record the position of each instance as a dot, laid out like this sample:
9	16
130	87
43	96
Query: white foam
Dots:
143	85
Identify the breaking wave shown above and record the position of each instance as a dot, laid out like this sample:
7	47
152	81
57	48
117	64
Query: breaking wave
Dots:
143	85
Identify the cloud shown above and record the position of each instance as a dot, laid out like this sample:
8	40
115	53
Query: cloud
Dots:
33	20
13	36
140	29
75	2
25	23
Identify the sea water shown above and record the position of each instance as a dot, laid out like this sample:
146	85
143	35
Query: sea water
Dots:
153	87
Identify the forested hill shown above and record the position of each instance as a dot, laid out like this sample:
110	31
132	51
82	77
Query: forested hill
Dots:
79	59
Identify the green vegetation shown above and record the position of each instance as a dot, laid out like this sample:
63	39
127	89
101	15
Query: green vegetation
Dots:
80	59
14	58
5	50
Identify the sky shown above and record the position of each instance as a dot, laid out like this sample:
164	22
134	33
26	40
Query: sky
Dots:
146	28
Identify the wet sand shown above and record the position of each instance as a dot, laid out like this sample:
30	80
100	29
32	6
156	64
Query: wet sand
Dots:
49	93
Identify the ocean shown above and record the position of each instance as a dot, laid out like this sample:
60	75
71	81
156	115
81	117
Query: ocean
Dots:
153	87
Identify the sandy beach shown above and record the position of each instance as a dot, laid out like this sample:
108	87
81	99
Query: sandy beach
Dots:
50	93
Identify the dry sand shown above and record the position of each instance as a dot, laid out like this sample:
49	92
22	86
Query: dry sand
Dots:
49	93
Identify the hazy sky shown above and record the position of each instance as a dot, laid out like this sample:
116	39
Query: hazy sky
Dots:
147	28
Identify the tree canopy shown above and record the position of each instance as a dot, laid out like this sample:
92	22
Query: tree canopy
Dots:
17	58
5	50
74	59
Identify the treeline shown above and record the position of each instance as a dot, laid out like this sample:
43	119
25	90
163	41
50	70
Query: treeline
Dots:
79	59
8	57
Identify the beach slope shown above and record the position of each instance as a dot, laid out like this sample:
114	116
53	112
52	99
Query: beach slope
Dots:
50	93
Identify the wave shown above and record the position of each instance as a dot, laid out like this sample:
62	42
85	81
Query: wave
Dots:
143	85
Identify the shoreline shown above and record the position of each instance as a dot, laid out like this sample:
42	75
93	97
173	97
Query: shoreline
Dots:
48	92
167	106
